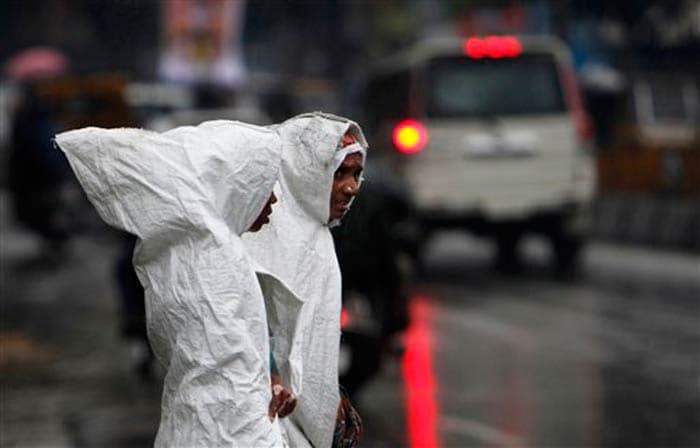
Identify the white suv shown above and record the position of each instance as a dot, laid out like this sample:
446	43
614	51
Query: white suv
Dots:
487	134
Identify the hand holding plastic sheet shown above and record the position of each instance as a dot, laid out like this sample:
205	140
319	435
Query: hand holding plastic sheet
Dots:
189	194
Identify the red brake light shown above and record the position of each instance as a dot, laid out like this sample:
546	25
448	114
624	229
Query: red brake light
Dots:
474	48
495	47
409	137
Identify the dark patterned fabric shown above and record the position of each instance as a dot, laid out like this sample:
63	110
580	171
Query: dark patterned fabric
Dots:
348	424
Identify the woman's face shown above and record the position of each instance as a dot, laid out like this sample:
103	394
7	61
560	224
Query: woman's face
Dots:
264	216
346	185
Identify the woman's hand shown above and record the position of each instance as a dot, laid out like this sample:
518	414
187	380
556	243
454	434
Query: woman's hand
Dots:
283	401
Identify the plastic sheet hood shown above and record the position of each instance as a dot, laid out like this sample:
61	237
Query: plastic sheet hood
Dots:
172	181
310	142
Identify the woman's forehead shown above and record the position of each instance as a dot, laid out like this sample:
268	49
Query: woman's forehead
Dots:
354	158
348	139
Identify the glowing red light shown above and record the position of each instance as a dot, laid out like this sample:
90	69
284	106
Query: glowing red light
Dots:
344	318
513	46
495	47
474	47
410	137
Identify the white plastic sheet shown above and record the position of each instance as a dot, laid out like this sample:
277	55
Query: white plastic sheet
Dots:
297	247
189	194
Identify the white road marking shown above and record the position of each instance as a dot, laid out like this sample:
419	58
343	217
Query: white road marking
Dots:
478	431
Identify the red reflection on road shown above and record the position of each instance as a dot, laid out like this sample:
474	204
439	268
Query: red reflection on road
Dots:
419	379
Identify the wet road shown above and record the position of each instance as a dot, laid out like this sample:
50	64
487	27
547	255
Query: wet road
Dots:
611	359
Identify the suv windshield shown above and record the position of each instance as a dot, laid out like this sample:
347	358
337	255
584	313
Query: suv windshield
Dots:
461	87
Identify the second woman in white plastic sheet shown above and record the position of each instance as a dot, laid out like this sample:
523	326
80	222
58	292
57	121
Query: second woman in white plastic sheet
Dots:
297	247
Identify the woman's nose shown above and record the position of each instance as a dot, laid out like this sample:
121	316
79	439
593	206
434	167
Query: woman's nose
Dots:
352	187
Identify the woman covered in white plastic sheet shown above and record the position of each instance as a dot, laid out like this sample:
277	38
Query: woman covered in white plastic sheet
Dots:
188	195
297	247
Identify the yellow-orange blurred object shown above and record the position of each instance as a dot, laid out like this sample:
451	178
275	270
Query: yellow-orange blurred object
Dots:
655	145
651	159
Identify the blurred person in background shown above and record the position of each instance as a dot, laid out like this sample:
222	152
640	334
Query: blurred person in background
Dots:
322	162
187	195
38	174
133	307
